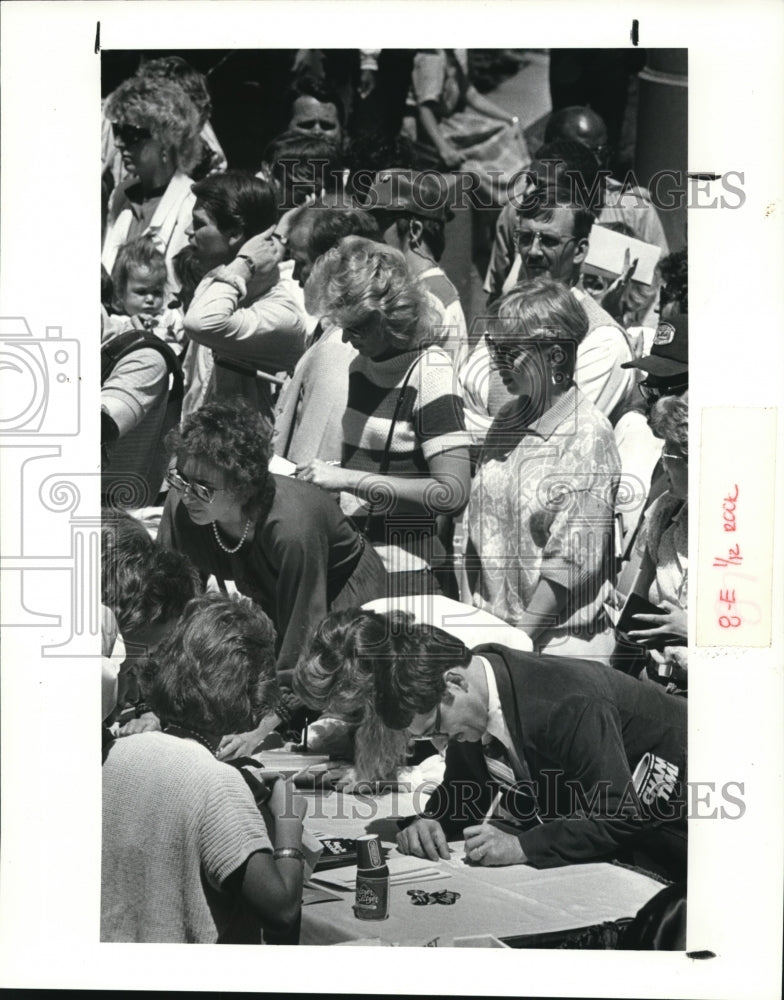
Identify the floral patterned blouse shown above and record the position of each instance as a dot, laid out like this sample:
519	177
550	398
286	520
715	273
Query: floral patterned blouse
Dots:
542	505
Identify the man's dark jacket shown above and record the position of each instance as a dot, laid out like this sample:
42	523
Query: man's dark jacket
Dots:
581	728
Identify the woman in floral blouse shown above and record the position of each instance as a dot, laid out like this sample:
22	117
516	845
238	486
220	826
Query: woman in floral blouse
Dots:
540	519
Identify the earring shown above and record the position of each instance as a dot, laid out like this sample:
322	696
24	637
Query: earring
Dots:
164	158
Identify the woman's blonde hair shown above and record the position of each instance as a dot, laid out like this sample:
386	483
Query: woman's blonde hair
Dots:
165	109
540	309
359	279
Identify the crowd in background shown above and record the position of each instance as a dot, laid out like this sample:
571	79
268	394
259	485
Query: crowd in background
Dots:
299	408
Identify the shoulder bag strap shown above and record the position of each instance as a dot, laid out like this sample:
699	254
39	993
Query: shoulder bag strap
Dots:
384	466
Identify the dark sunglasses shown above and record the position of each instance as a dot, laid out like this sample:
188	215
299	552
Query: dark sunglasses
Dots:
130	135
654	392
446	897
504	354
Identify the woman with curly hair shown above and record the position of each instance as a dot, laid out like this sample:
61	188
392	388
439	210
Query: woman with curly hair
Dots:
156	127
405	457
188	856
282	542
335	673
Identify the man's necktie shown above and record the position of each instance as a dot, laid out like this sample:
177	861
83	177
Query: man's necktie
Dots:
497	761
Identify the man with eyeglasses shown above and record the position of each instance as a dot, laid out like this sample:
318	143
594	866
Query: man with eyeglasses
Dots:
551	236
575	150
595	760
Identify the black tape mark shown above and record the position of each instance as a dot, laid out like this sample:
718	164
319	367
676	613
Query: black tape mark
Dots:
97	37
700	954
635	32
704	177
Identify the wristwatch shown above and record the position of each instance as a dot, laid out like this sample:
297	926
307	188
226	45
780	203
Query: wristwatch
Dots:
249	262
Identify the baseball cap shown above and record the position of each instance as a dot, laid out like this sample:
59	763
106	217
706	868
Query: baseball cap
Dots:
412	192
670	350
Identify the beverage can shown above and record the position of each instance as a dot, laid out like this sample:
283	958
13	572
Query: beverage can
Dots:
372	890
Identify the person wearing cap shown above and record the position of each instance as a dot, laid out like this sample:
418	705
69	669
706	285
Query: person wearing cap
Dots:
540	516
666	368
666	371
411	209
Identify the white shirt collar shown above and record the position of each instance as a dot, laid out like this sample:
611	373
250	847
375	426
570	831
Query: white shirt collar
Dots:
496	724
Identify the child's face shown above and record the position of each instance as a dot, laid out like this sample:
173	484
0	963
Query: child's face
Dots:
143	292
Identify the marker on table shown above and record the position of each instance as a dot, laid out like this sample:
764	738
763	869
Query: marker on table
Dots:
491	810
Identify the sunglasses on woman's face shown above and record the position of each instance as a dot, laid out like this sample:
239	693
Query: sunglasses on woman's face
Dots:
177	481
504	354
130	135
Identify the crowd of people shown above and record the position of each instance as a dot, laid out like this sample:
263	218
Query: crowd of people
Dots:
315	464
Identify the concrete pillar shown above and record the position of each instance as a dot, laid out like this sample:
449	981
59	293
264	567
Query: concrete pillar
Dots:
662	136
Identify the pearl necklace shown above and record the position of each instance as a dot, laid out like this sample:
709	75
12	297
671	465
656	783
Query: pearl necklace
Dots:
190	734
226	548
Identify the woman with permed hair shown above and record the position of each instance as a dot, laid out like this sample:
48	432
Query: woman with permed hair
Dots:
212	159
156	127
282	542
335	673
405	448
188	856
539	553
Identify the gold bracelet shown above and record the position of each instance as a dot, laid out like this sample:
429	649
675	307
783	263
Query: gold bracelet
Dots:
288	852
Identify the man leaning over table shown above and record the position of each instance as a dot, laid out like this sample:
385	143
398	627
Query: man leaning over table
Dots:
560	738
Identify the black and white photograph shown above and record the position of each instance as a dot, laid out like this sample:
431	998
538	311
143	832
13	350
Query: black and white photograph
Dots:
362	479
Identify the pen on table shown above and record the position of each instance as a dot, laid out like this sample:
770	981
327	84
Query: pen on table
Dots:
491	810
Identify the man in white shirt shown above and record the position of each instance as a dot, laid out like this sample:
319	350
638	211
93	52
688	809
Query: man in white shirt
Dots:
551	236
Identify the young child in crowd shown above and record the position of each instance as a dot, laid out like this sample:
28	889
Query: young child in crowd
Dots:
137	288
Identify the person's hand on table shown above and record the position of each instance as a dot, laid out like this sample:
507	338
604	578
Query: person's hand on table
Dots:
487	845
673	621
243	744
146	723
424	838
